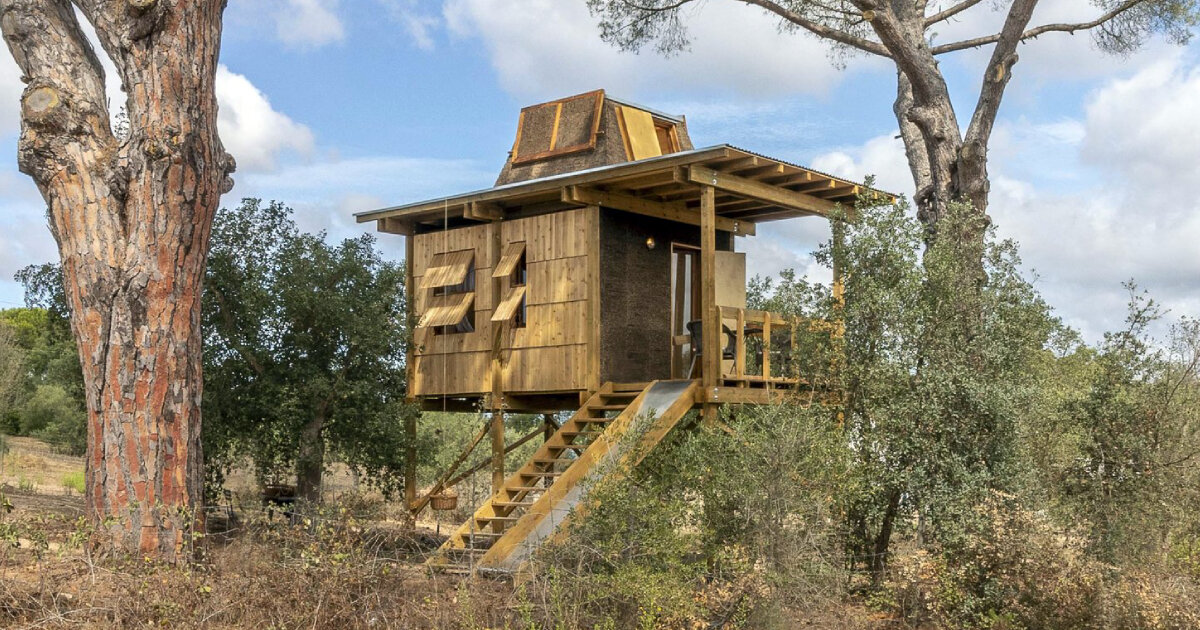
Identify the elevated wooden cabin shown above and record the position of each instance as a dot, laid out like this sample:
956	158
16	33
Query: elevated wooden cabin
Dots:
601	273
585	263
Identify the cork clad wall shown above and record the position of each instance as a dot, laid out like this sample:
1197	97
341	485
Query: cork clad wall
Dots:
635	309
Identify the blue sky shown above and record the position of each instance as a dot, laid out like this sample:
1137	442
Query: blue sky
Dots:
338	106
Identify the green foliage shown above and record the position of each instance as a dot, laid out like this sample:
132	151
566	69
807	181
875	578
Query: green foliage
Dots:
713	525
75	482
1126	449
301	336
12	371
48	359
58	419
941	348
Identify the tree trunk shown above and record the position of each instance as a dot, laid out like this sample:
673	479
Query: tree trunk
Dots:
883	540
132	218
310	464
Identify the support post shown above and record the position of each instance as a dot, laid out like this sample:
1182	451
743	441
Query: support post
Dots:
710	318
593	304
410	460
410	423
497	449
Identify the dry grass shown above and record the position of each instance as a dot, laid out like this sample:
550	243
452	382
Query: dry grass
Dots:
352	565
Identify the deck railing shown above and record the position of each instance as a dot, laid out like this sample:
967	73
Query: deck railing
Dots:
765	346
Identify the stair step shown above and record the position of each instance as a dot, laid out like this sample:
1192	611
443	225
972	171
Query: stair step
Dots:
512	504
577	433
629	387
542	473
501	519
600	420
607	407
525	489
555	460
466	551
481	534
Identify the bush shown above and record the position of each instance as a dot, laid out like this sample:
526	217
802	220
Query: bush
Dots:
720	526
75	481
52	415
1017	570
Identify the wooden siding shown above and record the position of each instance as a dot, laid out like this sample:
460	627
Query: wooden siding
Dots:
550	353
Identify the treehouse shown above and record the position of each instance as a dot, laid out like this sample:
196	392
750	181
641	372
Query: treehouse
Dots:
601	274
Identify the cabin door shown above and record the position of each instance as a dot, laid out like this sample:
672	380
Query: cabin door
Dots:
685	301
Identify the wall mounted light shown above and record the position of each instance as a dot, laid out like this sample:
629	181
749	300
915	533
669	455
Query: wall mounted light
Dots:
650	243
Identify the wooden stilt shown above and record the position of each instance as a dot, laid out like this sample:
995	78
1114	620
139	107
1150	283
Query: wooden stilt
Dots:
410	460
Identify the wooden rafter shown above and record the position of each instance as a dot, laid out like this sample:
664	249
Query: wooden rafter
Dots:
671	211
752	189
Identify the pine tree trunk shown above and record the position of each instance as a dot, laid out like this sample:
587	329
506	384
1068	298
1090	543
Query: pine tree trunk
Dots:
132	218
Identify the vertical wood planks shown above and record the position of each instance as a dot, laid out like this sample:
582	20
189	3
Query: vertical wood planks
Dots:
593	292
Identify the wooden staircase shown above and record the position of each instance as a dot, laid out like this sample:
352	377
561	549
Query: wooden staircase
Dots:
613	430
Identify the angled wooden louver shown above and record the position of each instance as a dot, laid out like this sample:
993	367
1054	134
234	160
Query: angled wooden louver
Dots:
447	310
509	305
448	269
509	260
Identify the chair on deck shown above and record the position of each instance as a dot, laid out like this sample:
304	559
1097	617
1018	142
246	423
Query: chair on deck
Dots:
696	333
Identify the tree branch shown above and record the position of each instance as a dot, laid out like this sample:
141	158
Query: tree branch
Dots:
946	14
821	30
64	75
998	73
1040	30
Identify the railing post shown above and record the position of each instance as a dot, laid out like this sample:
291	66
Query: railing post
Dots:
766	363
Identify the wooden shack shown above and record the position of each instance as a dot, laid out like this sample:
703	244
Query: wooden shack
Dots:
604	260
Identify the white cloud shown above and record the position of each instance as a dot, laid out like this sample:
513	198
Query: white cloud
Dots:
252	131
418	24
548	48
307	22
1145	128
325	194
881	157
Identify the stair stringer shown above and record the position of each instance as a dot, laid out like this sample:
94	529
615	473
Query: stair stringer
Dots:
662	403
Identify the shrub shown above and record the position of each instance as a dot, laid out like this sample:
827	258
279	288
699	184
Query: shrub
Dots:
52	415
718	526
74	481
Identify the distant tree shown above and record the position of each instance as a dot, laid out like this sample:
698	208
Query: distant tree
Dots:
12	370
948	162
304	344
131	216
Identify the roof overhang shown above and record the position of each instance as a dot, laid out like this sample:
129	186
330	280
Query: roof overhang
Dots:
750	189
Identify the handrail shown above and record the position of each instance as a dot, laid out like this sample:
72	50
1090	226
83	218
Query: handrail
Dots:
770	322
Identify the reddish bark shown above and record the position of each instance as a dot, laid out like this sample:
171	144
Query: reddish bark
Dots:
132	218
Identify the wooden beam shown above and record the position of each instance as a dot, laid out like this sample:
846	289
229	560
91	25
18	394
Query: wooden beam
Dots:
671	211
757	190
394	226
710	319
483	211
837	191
